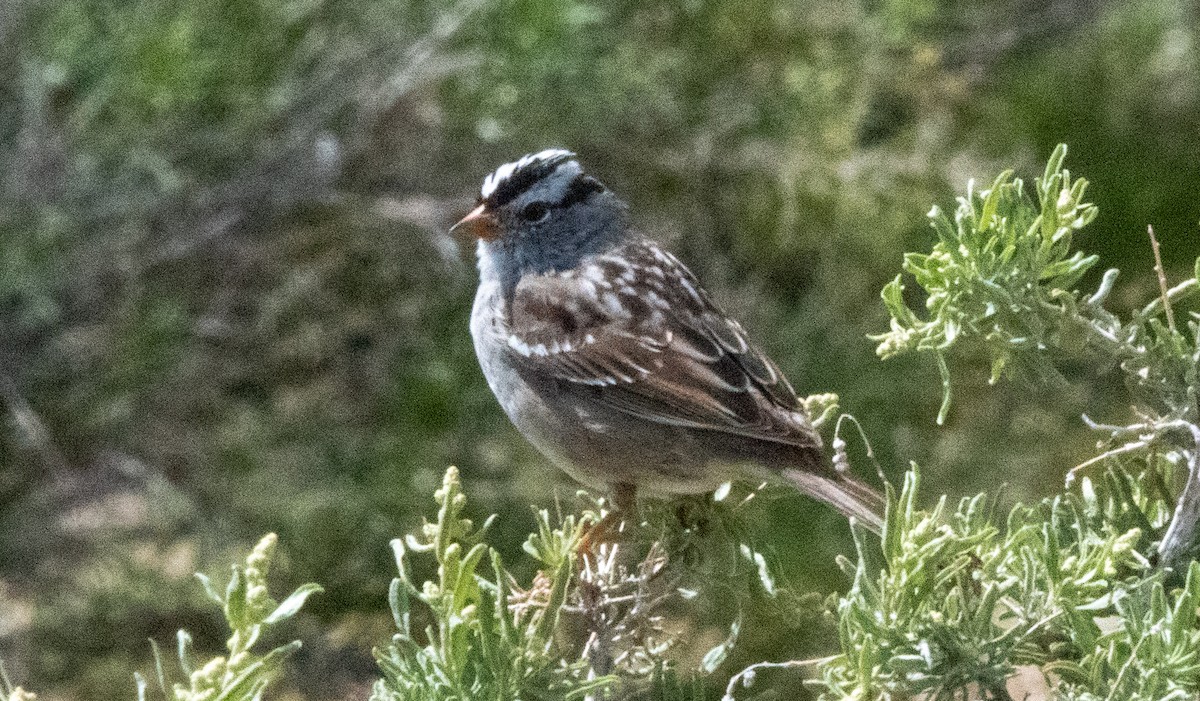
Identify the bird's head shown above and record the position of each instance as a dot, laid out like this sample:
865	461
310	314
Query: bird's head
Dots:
542	213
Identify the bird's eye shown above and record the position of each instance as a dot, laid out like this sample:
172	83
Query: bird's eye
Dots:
535	212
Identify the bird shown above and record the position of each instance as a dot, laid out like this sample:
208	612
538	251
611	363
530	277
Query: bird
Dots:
608	355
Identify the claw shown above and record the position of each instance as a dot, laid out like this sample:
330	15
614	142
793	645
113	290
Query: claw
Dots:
610	526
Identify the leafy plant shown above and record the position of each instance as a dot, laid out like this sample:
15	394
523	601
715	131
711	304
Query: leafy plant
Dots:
1000	273
588	624
1001	277
955	603
489	638
250	611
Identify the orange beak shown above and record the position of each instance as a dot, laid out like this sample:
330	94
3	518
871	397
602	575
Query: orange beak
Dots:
479	223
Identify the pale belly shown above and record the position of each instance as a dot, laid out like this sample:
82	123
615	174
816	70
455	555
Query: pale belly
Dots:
596	445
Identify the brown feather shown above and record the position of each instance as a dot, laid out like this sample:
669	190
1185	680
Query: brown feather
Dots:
599	332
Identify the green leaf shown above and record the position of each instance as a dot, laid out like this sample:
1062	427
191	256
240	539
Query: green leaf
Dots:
140	681
503	613
399	605
183	647
250	681
235	599
158	666
560	580
944	371
464	584
292	604
760	564
210	588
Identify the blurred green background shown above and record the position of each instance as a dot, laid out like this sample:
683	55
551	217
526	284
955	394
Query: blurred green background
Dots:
228	304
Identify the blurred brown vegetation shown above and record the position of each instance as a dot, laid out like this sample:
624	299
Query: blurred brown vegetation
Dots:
228	304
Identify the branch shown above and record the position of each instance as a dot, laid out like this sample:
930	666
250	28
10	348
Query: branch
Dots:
1179	543
1162	278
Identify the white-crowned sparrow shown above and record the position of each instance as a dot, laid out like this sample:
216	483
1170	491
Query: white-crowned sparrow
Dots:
611	359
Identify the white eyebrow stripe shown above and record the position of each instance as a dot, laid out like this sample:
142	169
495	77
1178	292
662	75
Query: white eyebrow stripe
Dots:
504	172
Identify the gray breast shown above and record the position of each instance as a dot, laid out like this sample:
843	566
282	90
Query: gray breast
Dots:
490	337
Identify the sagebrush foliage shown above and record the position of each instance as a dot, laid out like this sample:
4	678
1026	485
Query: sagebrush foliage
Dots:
490	638
249	611
590	624
958	600
957	603
242	675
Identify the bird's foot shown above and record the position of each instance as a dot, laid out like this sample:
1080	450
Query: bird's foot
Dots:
611	524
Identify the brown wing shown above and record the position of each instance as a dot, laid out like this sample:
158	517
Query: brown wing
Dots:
634	331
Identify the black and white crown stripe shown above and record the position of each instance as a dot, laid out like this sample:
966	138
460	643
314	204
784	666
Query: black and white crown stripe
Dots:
510	179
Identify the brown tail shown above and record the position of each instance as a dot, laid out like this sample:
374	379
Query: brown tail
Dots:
844	493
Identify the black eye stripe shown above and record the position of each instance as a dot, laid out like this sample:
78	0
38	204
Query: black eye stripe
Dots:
535	211
580	189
